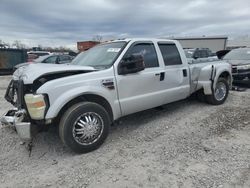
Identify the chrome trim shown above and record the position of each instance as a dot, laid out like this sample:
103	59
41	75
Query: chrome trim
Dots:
220	91
8	117
23	128
88	128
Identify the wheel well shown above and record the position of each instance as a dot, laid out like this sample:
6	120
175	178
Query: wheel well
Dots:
90	98
226	75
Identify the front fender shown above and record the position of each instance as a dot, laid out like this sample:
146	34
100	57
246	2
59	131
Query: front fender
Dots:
67	96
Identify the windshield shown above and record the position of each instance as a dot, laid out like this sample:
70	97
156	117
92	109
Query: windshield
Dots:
101	56
238	54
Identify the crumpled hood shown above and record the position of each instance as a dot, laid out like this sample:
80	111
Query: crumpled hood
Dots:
239	62
32	71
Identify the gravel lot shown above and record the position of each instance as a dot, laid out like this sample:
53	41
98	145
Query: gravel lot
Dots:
186	144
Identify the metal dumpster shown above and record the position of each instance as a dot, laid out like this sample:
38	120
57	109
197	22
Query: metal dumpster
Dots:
10	58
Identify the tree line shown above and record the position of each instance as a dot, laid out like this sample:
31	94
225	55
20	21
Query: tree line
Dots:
17	44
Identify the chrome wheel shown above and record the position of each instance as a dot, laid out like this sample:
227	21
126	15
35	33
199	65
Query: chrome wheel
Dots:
220	91
88	128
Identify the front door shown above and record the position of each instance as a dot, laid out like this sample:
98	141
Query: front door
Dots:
144	89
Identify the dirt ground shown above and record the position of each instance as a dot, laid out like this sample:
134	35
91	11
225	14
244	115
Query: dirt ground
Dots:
186	144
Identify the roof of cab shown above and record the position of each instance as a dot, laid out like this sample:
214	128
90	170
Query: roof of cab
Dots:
143	39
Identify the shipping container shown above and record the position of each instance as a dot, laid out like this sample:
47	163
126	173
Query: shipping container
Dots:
9	58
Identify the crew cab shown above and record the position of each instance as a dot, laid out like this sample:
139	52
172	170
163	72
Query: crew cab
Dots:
105	83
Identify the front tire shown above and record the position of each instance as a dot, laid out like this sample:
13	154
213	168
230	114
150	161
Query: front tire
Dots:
220	94
84	127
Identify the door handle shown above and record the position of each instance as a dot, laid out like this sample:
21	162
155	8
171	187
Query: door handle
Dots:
162	75
184	71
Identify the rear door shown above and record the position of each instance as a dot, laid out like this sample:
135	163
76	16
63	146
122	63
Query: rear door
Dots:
176	73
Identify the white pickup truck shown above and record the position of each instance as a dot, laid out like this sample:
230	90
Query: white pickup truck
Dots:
105	83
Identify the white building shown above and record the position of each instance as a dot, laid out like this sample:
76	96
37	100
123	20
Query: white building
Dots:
214	43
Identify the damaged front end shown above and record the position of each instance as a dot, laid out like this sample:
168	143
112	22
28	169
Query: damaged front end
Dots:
30	107
15	118
18	116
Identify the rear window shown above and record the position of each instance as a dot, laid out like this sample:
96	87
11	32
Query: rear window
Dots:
170	54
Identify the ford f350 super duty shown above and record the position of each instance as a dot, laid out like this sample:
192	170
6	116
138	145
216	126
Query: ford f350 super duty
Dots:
105	83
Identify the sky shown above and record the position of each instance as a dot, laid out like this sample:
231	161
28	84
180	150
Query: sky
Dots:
64	22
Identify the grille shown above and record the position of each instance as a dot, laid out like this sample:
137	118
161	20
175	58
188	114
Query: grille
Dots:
14	93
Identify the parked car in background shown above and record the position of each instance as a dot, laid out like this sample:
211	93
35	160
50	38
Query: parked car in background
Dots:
39	53
199	55
240	61
54	59
220	54
49	59
32	57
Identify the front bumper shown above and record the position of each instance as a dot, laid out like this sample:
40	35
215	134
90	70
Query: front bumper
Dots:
240	72
16	118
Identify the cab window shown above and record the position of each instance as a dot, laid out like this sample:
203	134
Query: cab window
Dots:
147	50
170	54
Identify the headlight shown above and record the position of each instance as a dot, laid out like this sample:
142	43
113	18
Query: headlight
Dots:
36	105
243	67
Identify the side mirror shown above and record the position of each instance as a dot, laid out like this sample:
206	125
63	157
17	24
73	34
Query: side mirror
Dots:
131	64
